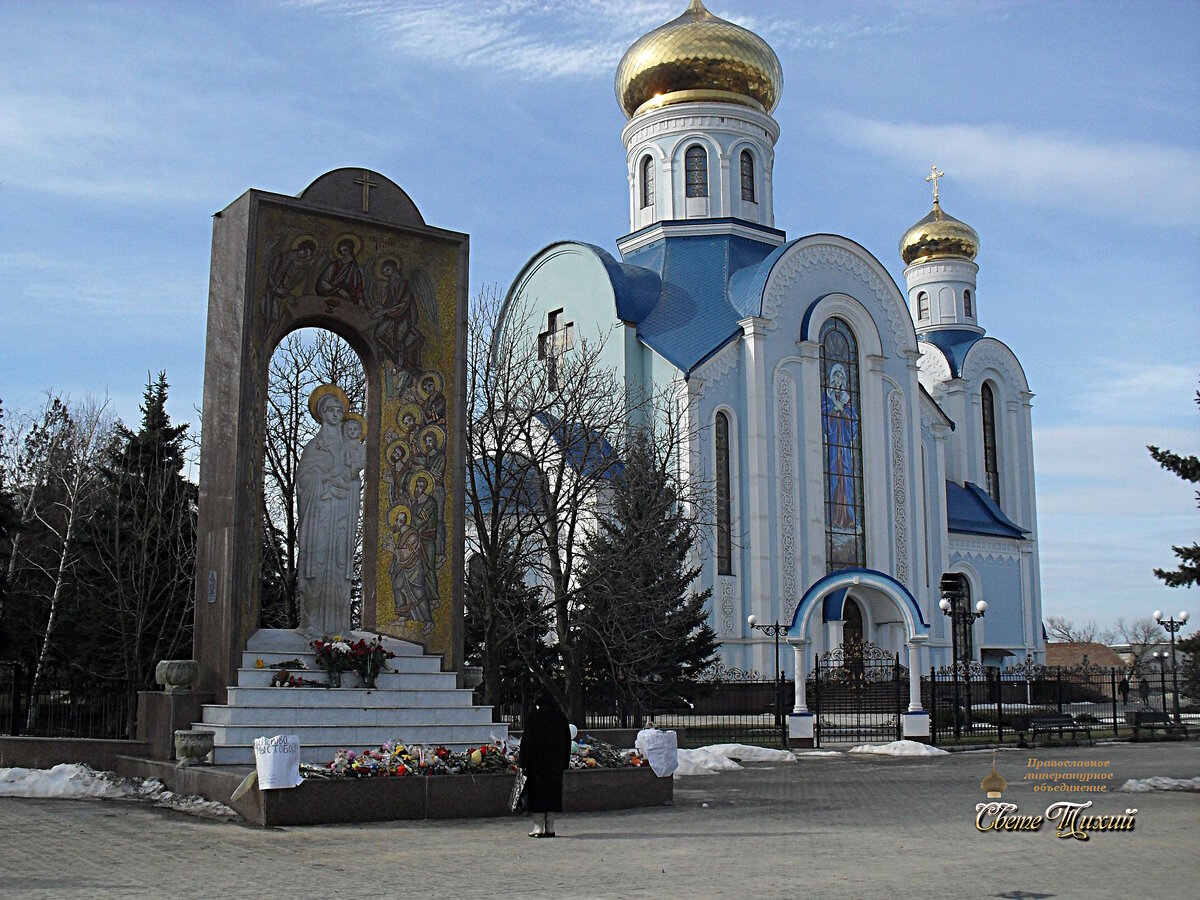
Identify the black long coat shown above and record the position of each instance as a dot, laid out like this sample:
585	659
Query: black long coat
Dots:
545	755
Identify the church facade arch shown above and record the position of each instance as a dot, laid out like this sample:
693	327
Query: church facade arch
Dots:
877	594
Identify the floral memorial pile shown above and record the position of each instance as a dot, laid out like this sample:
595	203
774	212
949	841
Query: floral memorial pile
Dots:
397	760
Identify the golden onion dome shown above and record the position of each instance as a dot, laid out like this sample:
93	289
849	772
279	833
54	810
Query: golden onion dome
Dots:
698	57
939	236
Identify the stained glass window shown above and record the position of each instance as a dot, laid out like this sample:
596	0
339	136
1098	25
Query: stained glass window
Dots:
724	524
922	305
747	176
991	466
647	182
696	166
845	540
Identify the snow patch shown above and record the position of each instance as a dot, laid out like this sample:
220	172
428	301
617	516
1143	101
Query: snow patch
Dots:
815	754
900	748
1160	783
723	758
71	781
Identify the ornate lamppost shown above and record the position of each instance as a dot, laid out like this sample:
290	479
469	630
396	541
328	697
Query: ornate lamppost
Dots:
954	606
1172	626
774	630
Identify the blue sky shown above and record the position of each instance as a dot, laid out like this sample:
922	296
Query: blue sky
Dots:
1069	132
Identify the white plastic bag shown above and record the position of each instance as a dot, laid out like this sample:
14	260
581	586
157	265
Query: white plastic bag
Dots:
661	749
278	761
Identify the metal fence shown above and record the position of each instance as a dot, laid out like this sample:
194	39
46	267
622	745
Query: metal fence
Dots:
727	706
60	707
974	704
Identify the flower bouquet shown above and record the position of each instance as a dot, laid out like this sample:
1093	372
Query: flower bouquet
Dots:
370	658
335	657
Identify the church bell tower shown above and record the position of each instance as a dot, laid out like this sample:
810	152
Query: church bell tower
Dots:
940	253
700	141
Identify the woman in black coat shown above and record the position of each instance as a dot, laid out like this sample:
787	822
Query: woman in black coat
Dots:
545	755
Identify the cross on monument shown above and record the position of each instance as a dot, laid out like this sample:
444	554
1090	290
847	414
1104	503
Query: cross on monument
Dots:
367	184
553	344
933	176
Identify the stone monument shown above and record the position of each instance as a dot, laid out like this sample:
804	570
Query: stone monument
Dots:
353	255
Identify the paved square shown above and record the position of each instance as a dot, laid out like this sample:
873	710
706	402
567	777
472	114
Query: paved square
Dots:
852	826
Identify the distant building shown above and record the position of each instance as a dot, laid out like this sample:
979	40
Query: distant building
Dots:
1077	653
867	444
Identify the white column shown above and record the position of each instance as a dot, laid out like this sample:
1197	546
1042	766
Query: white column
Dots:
809	451
799	657
915	666
757	581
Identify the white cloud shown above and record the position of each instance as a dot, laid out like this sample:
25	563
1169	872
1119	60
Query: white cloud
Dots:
1149	183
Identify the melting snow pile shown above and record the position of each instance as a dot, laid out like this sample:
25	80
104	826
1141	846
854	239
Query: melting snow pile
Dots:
724	757
70	781
1160	783
899	748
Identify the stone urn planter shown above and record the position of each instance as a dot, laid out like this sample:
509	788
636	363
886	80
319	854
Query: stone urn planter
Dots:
192	746
177	675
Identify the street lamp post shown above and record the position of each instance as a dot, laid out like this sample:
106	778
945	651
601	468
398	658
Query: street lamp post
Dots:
953	606
774	630
1172	626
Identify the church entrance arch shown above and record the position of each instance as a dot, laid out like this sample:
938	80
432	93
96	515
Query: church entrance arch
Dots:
827	602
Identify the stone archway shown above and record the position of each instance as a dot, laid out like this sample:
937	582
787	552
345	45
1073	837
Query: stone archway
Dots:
353	255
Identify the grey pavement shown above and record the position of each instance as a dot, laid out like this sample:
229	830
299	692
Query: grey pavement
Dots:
851	826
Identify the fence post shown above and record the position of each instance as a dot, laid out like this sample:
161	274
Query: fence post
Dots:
1112	689
998	686
14	725
899	699
1058	688
933	706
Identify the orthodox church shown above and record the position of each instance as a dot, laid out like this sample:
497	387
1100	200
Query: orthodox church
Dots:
869	445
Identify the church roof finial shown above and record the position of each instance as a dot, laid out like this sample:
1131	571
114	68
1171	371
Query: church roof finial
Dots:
933	176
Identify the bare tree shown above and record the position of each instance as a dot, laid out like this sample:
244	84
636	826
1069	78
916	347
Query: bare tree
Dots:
303	360
54	465
550	422
1141	635
1061	629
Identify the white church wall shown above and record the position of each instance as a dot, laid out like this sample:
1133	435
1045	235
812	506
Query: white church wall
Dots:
997	568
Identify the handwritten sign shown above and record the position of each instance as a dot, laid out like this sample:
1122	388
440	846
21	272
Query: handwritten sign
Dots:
278	761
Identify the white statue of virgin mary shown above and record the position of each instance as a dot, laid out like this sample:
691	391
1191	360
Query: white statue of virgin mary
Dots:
329	486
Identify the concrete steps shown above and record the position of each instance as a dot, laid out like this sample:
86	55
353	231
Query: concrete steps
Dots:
415	703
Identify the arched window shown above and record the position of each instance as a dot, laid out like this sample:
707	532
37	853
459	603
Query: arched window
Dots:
922	305
724	500
967	304
747	176
647	182
991	466
845	541
696	167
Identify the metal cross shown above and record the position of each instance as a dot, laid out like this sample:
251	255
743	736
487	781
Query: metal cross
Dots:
933	176
553	344
367	184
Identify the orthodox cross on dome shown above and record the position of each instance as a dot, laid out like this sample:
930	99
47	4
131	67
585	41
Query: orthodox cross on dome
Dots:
933	176
367	184
553	344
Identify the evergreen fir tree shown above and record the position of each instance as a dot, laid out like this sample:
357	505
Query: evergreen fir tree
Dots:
143	542
645	629
1187	572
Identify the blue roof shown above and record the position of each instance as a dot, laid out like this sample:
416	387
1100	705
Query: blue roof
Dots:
636	288
515	481
955	343
971	510
586	450
694	316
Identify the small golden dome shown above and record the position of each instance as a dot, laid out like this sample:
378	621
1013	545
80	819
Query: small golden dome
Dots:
993	782
939	236
696	57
